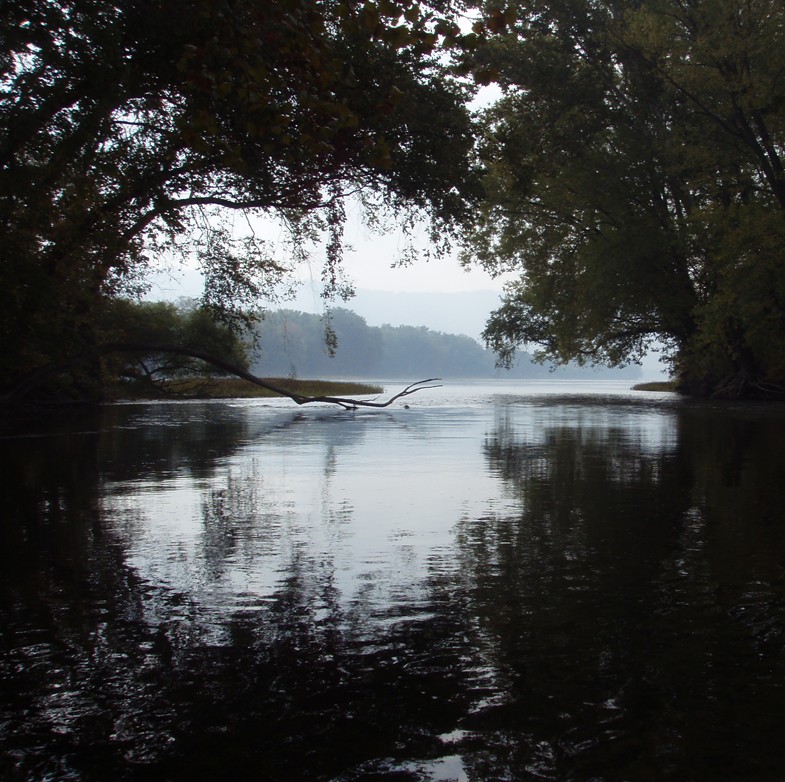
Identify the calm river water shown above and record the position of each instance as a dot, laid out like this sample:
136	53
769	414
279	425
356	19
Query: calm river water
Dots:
510	581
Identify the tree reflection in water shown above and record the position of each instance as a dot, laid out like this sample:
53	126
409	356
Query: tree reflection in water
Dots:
627	573
595	592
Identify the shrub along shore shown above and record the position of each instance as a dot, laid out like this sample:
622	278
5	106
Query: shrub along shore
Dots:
236	388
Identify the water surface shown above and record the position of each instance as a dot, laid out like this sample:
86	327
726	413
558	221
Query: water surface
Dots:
510	581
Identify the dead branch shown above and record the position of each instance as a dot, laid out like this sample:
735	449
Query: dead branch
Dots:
352	404
300	399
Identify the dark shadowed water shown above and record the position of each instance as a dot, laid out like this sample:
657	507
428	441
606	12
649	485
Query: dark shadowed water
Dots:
510	582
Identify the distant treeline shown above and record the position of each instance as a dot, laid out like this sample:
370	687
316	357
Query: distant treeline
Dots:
293	344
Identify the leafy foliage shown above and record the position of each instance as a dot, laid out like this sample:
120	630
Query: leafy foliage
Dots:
126	322
634	171
131	131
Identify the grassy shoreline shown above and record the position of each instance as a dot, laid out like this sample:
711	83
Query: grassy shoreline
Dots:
657	385
236	388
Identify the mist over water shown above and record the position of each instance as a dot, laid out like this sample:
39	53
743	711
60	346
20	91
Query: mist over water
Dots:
509	581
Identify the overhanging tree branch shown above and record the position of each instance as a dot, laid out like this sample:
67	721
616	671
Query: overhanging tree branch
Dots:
227	366
300	399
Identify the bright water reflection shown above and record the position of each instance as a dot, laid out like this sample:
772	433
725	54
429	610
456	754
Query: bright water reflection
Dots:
498	583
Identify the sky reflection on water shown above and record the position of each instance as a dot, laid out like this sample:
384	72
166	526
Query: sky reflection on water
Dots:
371	495
497	583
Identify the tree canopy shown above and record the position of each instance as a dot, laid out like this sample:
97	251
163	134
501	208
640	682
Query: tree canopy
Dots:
635	181
131	129
632	173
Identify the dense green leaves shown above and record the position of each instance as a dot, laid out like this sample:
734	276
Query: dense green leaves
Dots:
634	169
130	130
123	322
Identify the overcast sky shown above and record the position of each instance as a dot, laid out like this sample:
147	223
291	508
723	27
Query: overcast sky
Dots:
369	264
369	261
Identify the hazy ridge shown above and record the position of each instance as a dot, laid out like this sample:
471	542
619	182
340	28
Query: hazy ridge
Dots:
291	343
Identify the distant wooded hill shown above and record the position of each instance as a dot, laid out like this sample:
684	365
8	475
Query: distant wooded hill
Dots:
292	344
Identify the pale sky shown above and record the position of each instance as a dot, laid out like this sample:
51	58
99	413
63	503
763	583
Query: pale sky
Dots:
370	265
369	262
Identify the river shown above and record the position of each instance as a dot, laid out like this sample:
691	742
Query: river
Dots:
502	581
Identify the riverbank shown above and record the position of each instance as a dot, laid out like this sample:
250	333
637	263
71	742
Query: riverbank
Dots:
656	385
236	388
